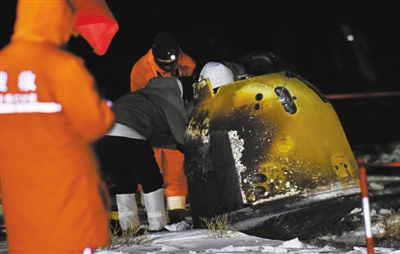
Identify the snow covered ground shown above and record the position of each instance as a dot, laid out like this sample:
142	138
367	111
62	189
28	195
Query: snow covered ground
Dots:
346	236
195	241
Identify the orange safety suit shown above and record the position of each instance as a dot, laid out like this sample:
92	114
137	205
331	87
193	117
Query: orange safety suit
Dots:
146	68
170	162
53	198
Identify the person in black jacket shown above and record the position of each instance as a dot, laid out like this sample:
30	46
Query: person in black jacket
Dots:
153	116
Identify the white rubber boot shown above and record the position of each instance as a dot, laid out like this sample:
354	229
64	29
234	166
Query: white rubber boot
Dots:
127	211
155	207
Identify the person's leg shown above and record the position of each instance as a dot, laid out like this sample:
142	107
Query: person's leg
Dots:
175	184
114	162
128	214
155	208
158	157
147	173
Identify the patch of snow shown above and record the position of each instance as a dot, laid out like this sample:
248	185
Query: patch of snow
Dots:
294	243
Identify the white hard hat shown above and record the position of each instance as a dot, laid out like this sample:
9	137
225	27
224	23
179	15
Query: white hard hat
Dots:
217	73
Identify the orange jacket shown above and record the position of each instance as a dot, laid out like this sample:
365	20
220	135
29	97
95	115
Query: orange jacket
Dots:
53	198
145	68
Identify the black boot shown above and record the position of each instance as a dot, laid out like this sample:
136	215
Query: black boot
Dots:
176	216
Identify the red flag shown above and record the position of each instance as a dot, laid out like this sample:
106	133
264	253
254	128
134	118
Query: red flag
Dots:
95	23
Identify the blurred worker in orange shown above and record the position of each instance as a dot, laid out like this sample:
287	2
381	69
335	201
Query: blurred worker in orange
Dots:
53	198
166	59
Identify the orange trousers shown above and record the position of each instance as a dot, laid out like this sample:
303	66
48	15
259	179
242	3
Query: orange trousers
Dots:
171	164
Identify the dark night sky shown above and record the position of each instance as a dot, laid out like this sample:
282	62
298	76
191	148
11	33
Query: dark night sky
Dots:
302	32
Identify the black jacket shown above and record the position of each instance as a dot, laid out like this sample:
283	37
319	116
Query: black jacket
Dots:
156	111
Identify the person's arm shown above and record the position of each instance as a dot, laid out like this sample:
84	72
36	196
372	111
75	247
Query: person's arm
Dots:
188	66
176	119
89	115
138	80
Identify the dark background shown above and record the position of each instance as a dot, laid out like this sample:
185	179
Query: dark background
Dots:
305	33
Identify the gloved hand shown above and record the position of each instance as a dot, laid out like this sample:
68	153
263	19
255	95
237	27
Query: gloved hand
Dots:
180	148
